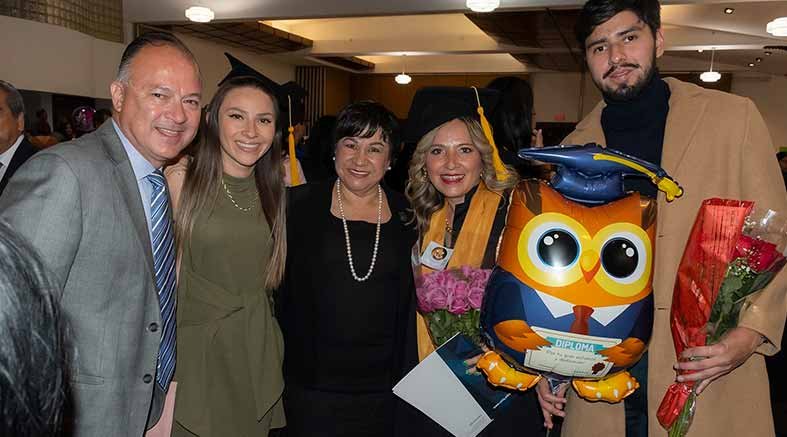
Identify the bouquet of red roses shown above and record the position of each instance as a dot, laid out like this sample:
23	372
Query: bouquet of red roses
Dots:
733	252
450	301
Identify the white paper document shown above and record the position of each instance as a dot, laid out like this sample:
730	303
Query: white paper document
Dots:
435	389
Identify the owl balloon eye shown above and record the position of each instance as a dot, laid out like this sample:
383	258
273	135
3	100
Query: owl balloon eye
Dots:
619	257
623	257
557	248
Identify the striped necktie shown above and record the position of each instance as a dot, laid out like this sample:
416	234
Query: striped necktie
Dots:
164	264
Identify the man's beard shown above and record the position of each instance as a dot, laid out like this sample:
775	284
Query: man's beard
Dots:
625	92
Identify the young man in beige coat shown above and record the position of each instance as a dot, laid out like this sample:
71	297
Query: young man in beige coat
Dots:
716	145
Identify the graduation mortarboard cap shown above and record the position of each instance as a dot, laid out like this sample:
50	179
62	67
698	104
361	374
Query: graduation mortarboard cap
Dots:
238	69
433	106
593	174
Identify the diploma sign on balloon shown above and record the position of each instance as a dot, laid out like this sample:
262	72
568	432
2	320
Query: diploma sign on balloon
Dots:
571	296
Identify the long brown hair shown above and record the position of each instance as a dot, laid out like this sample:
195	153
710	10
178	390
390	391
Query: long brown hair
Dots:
204	175
424	196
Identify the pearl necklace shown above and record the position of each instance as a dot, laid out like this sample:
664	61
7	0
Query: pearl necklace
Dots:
232	199
347	231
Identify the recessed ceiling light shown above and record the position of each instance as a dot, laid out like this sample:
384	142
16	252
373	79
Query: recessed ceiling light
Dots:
777	27
700	50
200	14
751	64
482	5
729	11
757	59
768	53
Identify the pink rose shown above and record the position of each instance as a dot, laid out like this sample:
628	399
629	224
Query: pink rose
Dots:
476	297
460	290
458	303
439	298
424	304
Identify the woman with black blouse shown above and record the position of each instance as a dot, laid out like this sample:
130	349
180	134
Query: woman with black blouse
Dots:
347	302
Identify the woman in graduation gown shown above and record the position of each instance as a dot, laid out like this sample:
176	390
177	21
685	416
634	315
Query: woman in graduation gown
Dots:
347	302
459	189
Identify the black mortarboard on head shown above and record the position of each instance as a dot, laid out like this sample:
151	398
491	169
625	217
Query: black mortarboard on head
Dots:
433	106
290	96
239	69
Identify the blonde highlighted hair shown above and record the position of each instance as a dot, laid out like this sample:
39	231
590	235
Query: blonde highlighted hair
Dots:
424	196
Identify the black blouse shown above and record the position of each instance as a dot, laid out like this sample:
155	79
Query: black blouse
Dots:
342	335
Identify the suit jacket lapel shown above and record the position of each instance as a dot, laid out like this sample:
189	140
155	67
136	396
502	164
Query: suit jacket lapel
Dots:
686	107
128	187
22	154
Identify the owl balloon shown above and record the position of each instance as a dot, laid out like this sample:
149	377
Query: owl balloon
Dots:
571	296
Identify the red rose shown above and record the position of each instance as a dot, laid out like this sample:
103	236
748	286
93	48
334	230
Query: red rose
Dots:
672	404
760	255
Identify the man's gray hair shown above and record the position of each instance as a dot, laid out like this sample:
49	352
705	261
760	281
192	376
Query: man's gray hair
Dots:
156	39
13	98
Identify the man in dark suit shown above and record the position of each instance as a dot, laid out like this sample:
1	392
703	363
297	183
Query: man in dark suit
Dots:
14	147
97	210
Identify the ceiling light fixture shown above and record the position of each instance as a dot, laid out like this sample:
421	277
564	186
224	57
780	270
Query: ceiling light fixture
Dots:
403	78
700	50
200	14
751	64
710	75
757	59
767	53
777	27
729	11
482	5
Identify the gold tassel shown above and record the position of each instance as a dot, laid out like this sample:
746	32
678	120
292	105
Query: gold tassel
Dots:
295	178
500	169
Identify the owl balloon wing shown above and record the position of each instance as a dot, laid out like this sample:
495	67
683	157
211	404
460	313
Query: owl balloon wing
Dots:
571	296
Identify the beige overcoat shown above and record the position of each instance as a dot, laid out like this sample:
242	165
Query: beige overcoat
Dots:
715	145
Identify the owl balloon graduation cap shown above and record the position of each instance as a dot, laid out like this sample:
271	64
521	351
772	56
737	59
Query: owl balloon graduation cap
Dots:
571	297
594	175
290	96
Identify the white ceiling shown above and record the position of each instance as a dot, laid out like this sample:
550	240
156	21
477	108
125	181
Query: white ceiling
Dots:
437	37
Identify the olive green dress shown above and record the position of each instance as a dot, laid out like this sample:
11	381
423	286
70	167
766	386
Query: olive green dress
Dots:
230	348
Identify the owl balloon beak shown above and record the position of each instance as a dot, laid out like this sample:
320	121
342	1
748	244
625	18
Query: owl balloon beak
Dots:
589	264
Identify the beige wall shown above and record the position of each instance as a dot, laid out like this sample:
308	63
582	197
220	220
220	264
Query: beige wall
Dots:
769	93
44	57
560	97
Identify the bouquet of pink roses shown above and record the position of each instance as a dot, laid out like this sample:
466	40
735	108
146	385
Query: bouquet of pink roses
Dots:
450	301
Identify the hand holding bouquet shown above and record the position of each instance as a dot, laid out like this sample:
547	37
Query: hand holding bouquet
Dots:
733	252
450	301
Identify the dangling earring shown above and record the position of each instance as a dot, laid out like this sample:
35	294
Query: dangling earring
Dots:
481	175
424	174
334	158
389	167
